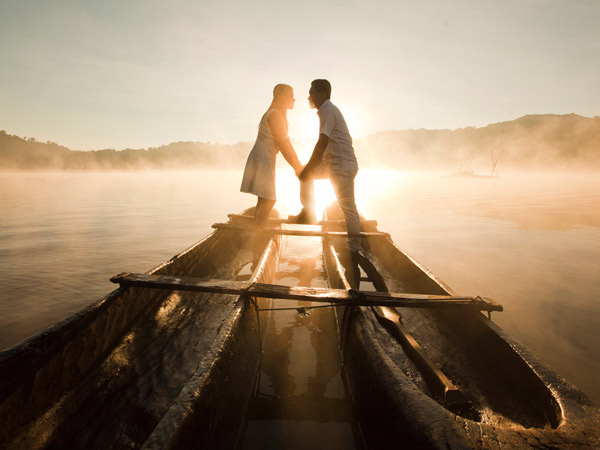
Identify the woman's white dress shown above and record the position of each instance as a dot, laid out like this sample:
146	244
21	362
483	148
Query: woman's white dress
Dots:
259	175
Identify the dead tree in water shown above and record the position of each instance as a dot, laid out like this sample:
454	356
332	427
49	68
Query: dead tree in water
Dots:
495	155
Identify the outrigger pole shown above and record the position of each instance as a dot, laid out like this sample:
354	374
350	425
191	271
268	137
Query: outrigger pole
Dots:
323	295
285	232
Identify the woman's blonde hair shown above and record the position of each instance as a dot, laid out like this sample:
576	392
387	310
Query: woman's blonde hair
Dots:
280	89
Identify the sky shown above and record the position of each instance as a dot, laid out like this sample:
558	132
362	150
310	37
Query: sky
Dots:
138	74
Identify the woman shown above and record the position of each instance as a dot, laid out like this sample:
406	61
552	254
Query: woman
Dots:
259	175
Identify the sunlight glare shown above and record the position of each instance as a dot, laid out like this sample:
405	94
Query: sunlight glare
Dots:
288	194
369	186
324	195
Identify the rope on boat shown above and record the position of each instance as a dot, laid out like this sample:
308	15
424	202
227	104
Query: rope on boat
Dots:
302	310
305	310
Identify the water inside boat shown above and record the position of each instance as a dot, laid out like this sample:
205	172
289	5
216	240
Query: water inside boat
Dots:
301	400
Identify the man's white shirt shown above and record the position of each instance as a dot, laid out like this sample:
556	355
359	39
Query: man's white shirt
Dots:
339	154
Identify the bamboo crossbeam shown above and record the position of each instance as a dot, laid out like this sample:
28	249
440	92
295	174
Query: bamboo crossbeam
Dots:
323	295
334	234
181	283
275	222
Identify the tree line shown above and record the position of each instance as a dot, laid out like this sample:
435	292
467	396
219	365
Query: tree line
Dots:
530	142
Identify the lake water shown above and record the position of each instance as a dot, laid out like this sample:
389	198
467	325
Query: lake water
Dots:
529	241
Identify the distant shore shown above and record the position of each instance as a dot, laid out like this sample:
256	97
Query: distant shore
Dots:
533	142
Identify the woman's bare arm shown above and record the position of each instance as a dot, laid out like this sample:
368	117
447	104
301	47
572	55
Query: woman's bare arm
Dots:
282	141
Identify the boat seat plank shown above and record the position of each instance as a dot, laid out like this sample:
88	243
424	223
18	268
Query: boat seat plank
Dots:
333	234
324	295
180	283
275	222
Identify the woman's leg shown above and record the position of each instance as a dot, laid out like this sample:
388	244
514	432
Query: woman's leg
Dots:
263	210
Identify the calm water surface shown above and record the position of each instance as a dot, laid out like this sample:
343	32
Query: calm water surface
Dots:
530	241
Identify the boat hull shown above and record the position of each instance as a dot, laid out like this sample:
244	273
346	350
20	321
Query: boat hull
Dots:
515	401
144	367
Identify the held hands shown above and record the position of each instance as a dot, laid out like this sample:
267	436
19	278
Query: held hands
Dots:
305	173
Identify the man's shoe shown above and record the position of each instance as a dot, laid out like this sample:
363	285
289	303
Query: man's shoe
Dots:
304	217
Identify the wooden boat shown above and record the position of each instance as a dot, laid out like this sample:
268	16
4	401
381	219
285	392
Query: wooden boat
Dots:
144	367
433	378
168	360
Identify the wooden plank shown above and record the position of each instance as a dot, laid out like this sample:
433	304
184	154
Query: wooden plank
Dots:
323	295
333	234
180	283
275	222
367	298
438	381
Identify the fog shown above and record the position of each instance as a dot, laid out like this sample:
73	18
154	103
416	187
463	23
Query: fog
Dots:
534	143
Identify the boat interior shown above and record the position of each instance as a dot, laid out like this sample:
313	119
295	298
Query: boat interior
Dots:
495	384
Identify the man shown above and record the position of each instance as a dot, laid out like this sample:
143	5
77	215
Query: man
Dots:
333	158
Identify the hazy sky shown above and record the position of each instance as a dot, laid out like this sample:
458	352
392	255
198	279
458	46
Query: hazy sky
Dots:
116	74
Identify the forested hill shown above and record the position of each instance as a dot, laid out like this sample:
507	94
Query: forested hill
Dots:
27	154
531	142
537	142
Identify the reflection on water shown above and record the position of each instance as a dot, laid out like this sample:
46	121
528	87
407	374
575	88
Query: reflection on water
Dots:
62	235
530	241
300	400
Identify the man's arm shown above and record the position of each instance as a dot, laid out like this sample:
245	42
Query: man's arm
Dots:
316	156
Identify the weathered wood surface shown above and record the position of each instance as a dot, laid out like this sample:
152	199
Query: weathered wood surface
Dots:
323	295
334	234
275	222
452	396
180	283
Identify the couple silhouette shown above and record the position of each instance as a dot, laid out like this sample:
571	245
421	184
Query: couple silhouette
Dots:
333	158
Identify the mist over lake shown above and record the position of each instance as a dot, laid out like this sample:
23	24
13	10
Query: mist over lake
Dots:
529	241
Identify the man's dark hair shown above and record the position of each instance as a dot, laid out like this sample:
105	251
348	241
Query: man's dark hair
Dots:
322	86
